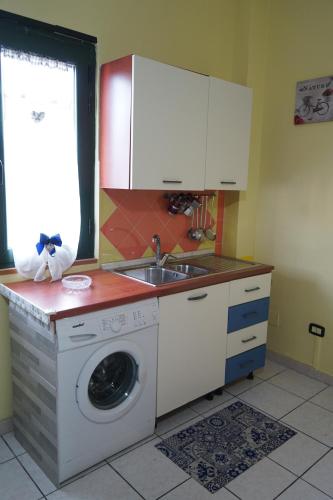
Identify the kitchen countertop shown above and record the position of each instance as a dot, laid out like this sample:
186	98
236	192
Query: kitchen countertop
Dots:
50	301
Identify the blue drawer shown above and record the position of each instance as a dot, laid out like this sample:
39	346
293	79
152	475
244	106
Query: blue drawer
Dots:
247	314
241	365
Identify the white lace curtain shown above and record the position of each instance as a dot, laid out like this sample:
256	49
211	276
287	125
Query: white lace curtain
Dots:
40	157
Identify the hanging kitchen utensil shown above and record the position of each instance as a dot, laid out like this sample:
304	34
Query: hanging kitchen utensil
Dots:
209	232
191	233
205	211
199	231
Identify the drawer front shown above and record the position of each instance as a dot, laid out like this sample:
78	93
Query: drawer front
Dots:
247	314
246	339
252	288
241	365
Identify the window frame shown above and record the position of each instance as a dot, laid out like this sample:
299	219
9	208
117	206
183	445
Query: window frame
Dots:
21	33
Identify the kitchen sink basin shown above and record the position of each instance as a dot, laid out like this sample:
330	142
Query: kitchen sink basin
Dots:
188	269
155	275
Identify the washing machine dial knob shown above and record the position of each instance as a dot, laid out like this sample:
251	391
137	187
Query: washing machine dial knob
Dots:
115	325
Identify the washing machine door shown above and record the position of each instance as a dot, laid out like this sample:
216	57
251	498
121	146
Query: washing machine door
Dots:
111	381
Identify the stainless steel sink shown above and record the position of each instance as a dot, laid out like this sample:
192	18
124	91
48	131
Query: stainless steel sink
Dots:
189	269
154	275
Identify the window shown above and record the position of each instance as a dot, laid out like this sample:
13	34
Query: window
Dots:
47	135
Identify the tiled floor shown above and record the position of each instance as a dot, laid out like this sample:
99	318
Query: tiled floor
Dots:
301	469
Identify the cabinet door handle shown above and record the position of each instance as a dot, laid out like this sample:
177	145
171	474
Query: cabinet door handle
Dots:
171	181
198	297
249	339
228	182
250	313
254	289
82	337
78	325
246	363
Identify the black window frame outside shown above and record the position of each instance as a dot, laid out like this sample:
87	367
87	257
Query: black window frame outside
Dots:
35	37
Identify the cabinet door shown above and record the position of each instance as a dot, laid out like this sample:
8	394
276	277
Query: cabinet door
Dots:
169	127
228	139
191	345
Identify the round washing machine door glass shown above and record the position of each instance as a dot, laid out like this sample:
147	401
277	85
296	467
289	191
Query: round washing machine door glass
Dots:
111	381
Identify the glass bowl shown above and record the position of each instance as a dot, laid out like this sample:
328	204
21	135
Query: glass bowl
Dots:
76	282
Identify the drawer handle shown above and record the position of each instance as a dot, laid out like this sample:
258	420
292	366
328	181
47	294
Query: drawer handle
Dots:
82	337
254	289
250	313
249	339
228	182
78	325
246	363
198	297
171	181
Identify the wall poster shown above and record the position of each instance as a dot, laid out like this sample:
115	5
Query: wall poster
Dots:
314	101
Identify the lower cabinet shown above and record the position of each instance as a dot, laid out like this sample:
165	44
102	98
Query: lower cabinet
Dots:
191	345
210	337
247	326
241	365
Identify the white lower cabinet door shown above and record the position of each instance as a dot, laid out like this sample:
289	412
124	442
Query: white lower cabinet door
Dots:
191	345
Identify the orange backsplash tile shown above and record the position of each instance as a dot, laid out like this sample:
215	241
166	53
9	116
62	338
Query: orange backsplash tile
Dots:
137	215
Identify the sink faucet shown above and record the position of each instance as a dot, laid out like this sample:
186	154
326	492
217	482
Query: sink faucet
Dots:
161	259
157	240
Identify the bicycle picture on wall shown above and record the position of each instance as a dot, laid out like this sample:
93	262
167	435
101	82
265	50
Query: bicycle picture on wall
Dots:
314	102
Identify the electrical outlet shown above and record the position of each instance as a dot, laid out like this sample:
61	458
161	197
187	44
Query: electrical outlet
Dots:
316	329
274	318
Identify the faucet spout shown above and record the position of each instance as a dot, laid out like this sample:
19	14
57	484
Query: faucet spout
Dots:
157	240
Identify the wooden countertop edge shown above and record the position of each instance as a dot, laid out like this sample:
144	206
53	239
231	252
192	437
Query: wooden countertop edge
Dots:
140	291
168	289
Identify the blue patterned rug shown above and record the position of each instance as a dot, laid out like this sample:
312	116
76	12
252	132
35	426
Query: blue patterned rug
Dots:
219	448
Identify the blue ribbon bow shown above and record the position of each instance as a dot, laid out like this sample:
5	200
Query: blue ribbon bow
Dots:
44	240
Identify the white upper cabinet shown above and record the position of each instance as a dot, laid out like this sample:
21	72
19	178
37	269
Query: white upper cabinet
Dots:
169	127
154	132
228	138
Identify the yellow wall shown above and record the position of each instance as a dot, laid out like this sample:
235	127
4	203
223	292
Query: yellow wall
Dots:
196	34
285	216
295	202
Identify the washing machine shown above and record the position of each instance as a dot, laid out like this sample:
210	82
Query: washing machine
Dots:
106	372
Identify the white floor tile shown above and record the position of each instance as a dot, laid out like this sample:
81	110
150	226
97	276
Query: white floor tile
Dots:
314	421
85	472
15	484
242	385
271	399
102	484
13	443
220	407
299	453
324	398
192	490
5	453
321	474
302	491
298	384
269	370
37	474
263	481
202	405
173	419
130	448
150	472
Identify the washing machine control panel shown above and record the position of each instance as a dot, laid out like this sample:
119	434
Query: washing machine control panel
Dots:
133	319
107	323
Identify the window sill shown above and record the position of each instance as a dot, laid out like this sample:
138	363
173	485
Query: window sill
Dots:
80	262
